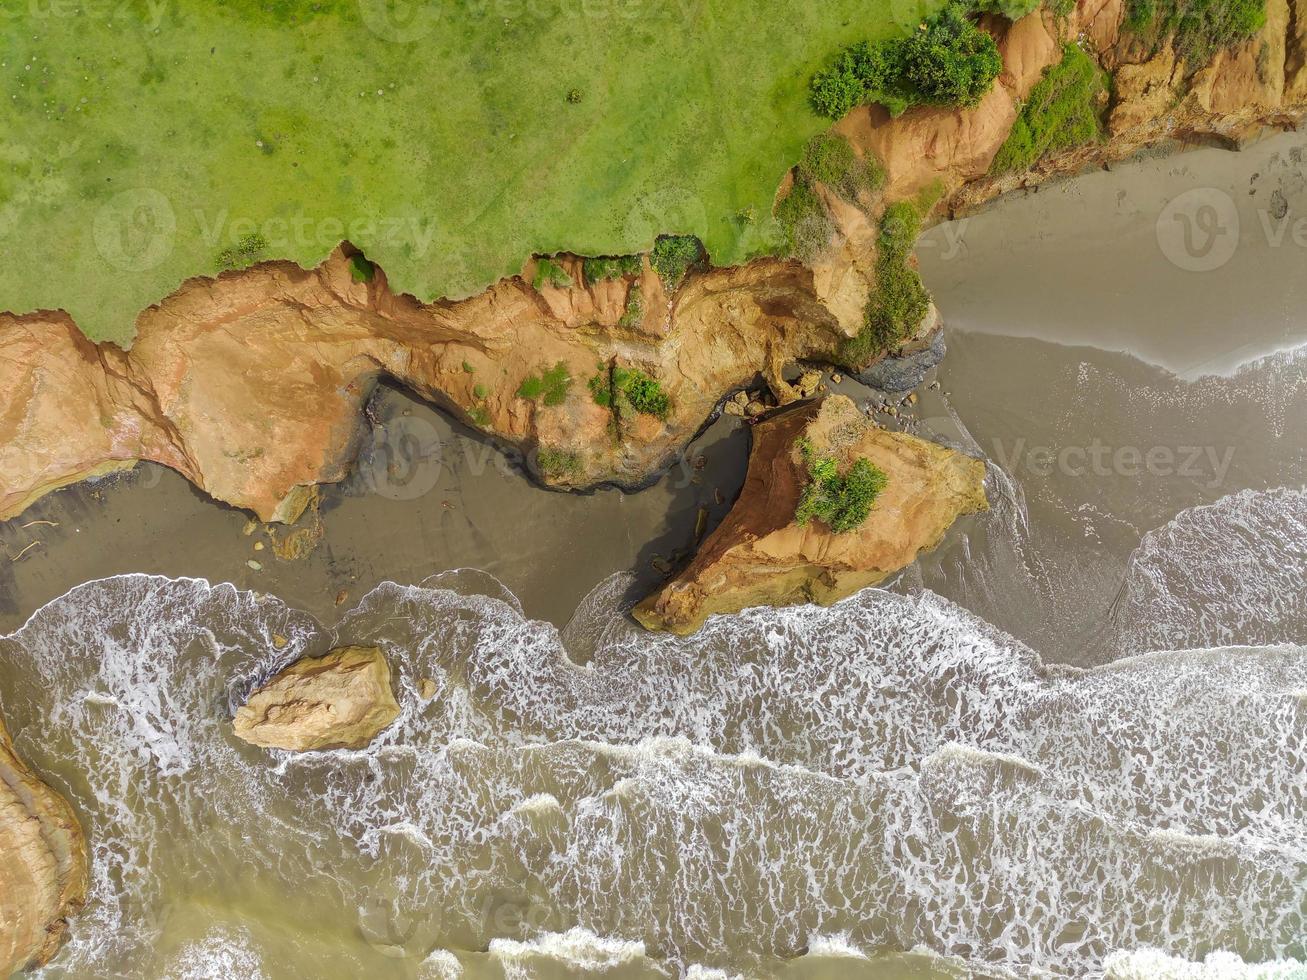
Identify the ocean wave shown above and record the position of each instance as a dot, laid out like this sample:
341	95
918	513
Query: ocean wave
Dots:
891	769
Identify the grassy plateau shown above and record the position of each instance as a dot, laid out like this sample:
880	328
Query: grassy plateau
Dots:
146	141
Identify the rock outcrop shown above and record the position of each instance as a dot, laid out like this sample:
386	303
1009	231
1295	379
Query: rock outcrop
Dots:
341	700
251	384
760	555
43	867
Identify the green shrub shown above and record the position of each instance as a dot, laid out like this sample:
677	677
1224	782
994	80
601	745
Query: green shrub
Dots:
469	368
949	62
805	222
479	391
611	267
829	159
1061	112
549	272
360	269
633	315
1013	10
1200	27
900	299
248	250
672	257
601	389
550	385
622	388
480	415
554	463
842	503
644	393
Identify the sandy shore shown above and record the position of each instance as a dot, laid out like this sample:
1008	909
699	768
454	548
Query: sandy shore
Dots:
1192	262
428	495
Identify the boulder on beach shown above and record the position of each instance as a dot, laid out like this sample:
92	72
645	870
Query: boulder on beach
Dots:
43	867
762	555
341	700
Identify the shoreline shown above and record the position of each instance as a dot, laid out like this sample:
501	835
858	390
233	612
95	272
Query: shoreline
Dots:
1017	259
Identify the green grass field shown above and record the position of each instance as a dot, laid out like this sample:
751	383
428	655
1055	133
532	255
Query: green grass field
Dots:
145	141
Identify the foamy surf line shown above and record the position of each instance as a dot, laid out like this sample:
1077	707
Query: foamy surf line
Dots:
844	748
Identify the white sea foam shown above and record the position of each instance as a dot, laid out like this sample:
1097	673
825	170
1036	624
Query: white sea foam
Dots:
1231	572
891	770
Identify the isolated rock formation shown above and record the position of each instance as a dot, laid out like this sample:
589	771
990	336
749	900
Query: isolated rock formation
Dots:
759	555
43	868
338	701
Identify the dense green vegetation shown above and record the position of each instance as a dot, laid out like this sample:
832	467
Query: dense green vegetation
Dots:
611	267
900	299
554	463
550	273
550	386
1200	27
841	502
248	250
144	140
1011	9
673	256
629	388
1063	111
828	159
948	61
805	222
360	269
634	312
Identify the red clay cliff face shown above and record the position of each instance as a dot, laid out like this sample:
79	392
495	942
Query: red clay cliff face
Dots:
251	385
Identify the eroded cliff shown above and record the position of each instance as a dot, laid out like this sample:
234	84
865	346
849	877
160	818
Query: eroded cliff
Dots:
43	867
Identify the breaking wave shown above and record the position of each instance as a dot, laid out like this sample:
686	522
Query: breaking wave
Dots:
886	775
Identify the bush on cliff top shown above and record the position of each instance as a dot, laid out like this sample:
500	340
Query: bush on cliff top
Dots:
842	503
672	257
804	221
949	61
829	159
1200	27
1063	111
900	300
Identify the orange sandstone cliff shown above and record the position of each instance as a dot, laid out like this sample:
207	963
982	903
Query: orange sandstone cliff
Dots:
43	868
